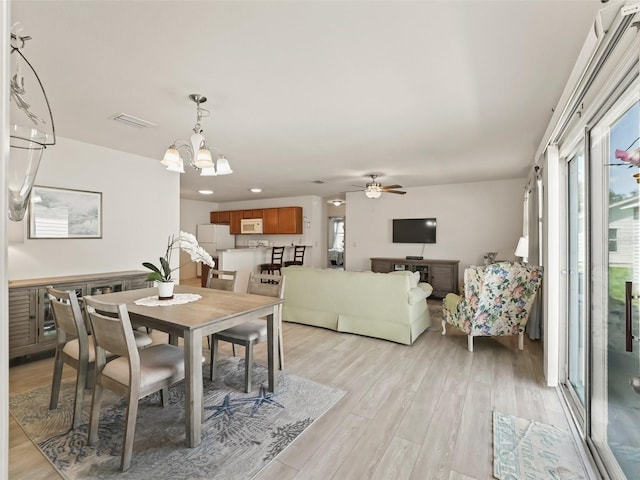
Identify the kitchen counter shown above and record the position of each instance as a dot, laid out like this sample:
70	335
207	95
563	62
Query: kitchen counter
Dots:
245	260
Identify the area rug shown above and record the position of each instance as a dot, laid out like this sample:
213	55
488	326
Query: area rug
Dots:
529	450
241	433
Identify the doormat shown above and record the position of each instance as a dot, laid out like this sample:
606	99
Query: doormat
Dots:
529	450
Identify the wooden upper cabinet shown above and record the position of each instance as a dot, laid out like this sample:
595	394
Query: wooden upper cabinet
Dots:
224	217
252	213
235	216
274	220
270	220
290	220
220	218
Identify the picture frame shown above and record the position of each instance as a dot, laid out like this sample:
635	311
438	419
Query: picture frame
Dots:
64	213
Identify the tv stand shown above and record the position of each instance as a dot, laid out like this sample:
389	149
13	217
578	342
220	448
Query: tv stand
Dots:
441	274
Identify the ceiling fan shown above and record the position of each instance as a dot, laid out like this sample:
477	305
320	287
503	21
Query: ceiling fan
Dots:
374	189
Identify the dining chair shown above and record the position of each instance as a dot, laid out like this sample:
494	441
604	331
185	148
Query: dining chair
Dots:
273	267
134	374
222	280
298	256
75	347
255	331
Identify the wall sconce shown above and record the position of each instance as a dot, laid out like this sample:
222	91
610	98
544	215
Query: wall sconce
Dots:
31	127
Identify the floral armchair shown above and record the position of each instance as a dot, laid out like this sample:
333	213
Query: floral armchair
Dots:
497	301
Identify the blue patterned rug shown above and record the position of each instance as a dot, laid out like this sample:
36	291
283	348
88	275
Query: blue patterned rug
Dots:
529	450
241	433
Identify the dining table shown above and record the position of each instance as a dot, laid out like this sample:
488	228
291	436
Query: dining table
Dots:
214	311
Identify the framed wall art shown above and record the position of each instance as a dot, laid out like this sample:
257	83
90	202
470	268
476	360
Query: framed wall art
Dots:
65	213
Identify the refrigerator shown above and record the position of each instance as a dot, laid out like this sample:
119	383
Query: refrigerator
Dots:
213	238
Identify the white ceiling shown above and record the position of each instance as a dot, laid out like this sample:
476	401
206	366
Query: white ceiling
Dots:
424	92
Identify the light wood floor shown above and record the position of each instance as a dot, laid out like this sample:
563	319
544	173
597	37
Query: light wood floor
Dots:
418	412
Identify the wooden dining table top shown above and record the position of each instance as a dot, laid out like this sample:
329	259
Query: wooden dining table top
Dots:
214	306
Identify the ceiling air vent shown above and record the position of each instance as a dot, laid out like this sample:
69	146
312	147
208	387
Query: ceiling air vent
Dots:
133	121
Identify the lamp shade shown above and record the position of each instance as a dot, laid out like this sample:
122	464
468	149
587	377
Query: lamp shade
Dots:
208	172
171	157
176	167
31	127
203	159
522	249
223	166
373	191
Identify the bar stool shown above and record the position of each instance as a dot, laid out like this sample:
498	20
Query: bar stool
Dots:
273	268
298	256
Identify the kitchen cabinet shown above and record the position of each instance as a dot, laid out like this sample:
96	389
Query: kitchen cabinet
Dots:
290	220
235	217
257	213
270	220
31	325
219	218
282	220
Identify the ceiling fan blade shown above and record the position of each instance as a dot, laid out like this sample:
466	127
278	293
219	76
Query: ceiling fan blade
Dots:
399	192
359	186
391	186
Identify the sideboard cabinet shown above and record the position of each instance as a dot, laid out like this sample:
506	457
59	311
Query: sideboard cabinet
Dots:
441	274
31	325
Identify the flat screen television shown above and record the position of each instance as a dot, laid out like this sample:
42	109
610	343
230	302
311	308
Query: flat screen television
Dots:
414	230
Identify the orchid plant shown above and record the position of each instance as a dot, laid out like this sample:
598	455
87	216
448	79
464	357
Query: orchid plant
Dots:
188	243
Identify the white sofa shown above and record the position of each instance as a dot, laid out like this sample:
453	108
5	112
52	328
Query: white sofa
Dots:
391	306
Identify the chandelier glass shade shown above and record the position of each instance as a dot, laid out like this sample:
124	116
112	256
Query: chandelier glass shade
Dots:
31	127
195	150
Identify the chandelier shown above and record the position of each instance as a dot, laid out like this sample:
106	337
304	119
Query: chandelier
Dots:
31	126
196	151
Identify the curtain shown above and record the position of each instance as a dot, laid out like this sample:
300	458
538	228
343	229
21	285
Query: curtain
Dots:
533	228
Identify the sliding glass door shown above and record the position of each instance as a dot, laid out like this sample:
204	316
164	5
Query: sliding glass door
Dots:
614	403
577	302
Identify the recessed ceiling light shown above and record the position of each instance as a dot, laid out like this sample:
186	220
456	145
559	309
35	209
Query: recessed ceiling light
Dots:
256	190
205	192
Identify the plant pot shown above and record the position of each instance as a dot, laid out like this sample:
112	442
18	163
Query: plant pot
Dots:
165	290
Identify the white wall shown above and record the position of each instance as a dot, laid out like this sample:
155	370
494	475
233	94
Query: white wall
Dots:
473	218
140	209
192	213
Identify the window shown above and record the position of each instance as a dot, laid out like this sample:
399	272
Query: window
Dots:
613	239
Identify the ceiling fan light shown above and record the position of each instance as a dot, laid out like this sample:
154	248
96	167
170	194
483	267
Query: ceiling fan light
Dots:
208	172
223	166
372	193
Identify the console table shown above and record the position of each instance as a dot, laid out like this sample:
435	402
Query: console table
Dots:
441	274
31	325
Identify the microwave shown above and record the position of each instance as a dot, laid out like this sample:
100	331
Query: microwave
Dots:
251	225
